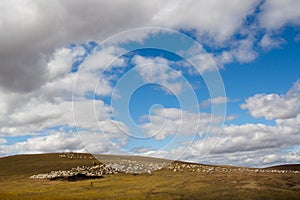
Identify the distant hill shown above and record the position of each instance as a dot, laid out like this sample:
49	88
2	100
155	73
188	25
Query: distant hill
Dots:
42	163
295	167
29	164
181	180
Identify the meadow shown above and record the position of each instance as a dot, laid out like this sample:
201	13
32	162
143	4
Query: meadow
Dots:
236	183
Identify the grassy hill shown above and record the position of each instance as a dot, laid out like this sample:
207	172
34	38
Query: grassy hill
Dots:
221	183
286	167
24	165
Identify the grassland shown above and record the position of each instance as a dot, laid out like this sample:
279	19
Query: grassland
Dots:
163	184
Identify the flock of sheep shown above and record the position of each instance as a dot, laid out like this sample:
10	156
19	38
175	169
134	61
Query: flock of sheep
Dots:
138	167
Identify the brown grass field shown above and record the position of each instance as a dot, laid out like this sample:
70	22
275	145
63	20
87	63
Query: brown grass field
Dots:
162	184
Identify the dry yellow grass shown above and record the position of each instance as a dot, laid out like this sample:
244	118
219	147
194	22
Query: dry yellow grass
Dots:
162	184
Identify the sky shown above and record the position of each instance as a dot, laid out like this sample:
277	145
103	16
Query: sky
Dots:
214	82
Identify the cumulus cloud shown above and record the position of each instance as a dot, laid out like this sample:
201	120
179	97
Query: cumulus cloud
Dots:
244	51
41	41
56	142
218	19
277	13
261	158
201	60
37	115
62	61
51	104
267	42
158	70
274	106
249	144
41	27
274	16
250	137
172	121
46	27
104	59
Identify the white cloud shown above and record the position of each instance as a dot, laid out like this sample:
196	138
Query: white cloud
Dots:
231	117
47	27
217	18
62	61
53	25
50	104
157	70
104	59
244	51
250	145
3	140
224	58
201	60
277	13
36	84
59	141
216	100
274	106
36	115
102	136
267	42
56	142
262	158
173	121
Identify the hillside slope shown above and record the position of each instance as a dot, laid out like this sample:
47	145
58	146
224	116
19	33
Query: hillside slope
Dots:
40	163
295	167
181	180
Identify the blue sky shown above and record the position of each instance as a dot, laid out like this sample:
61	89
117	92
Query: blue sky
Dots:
218	84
